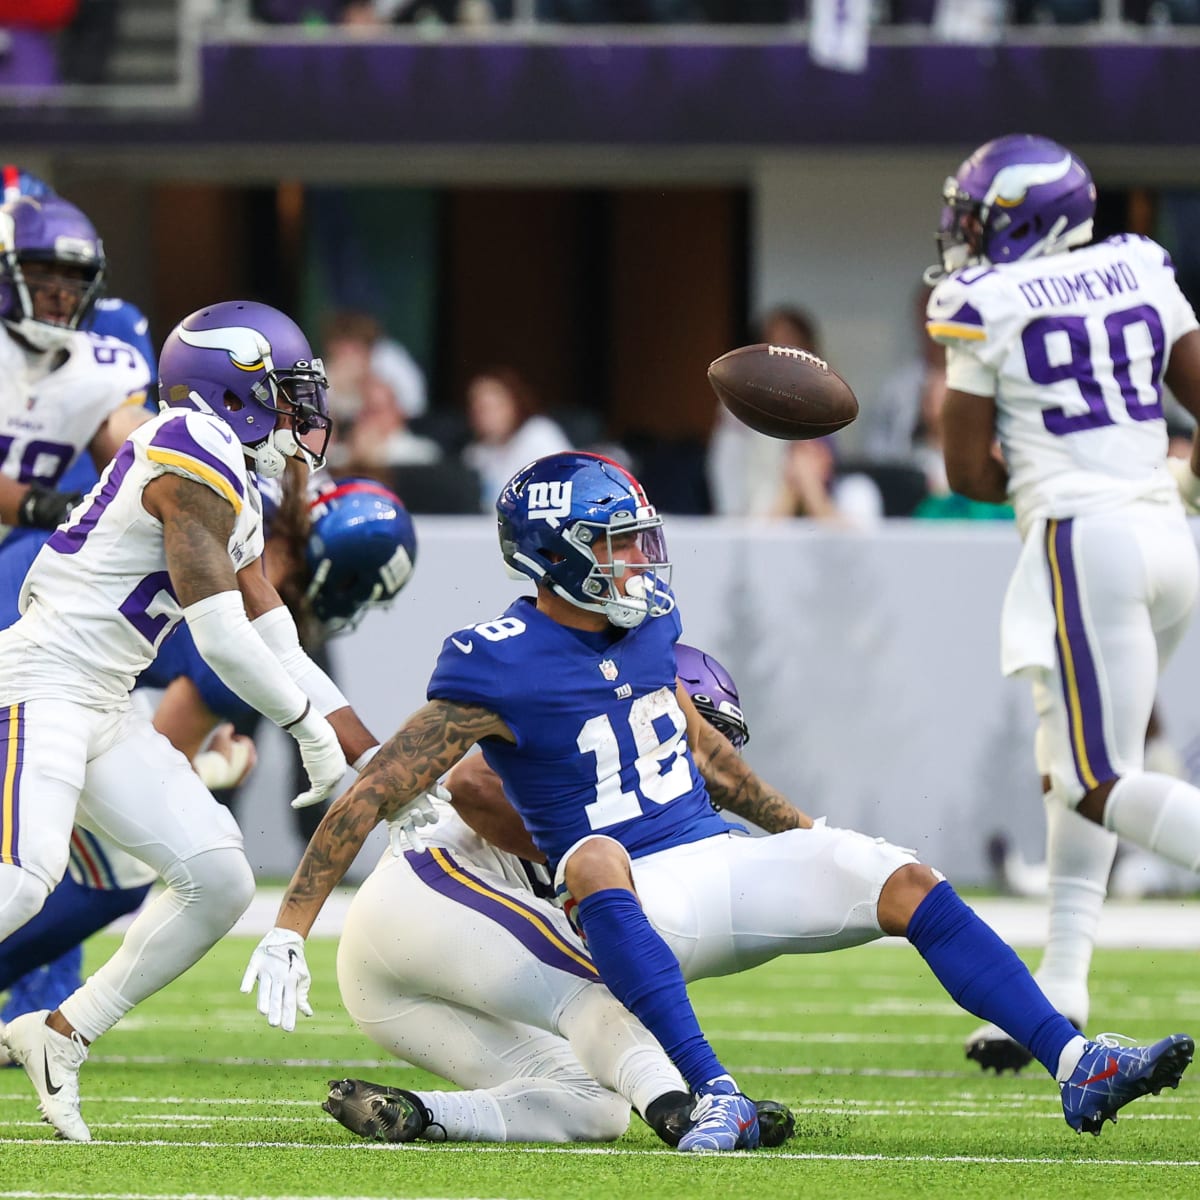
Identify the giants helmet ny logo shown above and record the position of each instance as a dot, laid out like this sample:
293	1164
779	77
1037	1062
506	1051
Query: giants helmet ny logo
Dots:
549	501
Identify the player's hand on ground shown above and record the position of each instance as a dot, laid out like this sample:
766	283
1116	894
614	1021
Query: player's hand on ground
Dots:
227	760
414	817
322	756
278	966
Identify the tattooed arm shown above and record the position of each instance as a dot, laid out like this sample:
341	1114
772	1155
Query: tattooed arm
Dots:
425	747
732	785
197	525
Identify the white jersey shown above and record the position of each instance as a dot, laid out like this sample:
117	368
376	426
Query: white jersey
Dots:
1073	348
98	599
52	406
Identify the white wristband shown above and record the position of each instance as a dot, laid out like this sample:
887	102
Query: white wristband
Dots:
365	757
278	630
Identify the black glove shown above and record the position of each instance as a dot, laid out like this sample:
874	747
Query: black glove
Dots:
44	508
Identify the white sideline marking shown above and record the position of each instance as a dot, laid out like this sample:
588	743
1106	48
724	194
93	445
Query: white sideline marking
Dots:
361	1147
170	1196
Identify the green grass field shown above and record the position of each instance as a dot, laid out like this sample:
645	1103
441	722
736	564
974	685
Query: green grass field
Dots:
193	1096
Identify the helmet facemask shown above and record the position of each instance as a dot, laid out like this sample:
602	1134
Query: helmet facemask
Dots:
39	285
646	579
298	393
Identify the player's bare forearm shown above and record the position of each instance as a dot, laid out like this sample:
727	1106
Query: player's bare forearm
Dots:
197	526
733	786
425	747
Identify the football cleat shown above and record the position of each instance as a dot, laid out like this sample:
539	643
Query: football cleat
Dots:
1109	1076
383	1114
52	1062
671	1117
994	1050
722	1119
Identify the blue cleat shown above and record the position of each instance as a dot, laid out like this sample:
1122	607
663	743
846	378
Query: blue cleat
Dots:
1109	1076
723	1119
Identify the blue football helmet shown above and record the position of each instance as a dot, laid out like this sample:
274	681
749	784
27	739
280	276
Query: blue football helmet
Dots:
361	551
52	269
713	692
20	183
248	364
554	514
1016	197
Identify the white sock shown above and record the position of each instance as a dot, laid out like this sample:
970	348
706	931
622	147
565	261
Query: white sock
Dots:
472	1116
1068	1060
1157	812
1079	857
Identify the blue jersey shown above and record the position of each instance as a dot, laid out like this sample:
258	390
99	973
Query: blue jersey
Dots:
125	321
601	742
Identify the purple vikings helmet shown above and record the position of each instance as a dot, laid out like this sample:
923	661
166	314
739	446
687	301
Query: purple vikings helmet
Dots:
1016	197
713	692
361	551
553	512
52	269
249	364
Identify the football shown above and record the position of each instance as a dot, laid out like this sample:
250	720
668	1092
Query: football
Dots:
783	392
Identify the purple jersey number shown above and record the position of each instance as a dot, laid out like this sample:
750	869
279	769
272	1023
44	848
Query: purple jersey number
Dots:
1079	367
44	462
137	605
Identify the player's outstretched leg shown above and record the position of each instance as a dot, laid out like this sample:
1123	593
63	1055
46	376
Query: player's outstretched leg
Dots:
1109	1076
52	1062
984	975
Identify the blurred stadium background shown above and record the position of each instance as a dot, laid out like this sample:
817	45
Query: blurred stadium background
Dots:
607	194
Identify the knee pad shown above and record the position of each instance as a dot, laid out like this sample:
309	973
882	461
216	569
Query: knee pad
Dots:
220	878
22	895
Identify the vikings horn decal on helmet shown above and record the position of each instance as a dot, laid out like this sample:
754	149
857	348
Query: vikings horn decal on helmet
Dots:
1016	197
713	692
571	522
52	269
249	364
361	551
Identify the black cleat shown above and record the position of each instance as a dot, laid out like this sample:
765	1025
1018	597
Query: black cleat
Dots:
383	1114
994	1050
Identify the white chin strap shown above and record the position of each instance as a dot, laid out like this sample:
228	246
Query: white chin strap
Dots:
41	335
271	456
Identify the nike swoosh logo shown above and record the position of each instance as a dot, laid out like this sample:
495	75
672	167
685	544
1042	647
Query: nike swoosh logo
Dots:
226	435
1108	1074
465	647
52	1088
291	958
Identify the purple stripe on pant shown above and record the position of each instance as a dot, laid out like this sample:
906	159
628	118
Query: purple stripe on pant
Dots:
12	729
438	869
1092	763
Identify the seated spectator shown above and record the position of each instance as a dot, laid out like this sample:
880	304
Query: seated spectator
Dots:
508	430
810	487
942	504
356	346
896	428
745	467
380	437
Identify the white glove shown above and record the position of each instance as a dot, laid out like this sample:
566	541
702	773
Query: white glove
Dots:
1187	483
322	757
415	815
283	979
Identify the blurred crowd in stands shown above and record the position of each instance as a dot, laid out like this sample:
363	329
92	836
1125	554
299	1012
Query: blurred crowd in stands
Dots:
949	16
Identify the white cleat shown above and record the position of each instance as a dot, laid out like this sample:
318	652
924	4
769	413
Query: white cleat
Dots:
52	1063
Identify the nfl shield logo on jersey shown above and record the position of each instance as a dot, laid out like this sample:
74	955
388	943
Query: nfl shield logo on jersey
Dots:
609	669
